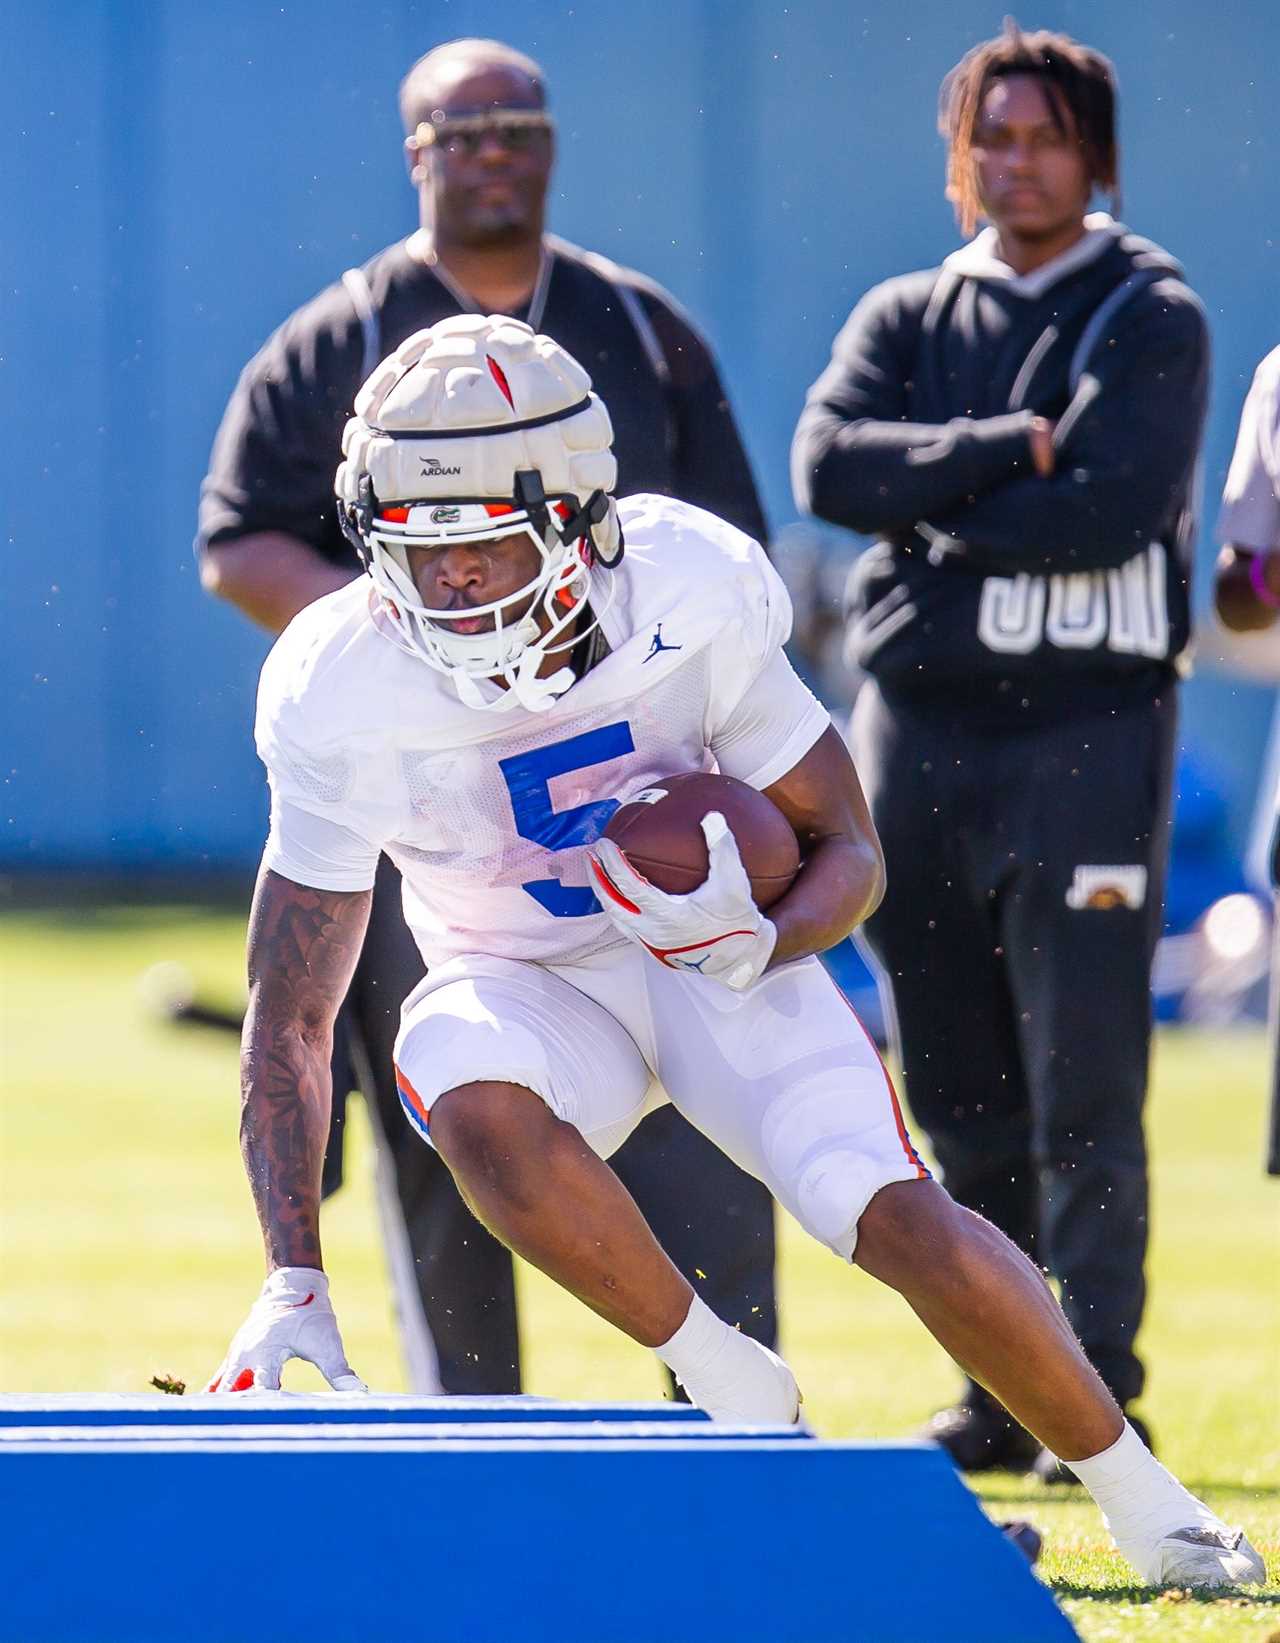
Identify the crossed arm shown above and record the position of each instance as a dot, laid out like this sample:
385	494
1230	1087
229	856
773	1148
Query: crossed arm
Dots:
1013	492
303	947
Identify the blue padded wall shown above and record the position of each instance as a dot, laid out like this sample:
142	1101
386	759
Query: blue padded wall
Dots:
461	1538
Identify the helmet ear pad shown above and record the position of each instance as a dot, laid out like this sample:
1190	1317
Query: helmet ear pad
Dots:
355	519
605	532
596	519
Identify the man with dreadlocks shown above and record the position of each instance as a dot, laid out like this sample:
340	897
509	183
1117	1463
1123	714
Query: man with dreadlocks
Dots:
1018	430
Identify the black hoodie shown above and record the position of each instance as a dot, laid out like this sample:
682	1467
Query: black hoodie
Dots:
989	586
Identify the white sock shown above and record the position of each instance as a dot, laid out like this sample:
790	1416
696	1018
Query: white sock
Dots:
728	1374
1140	1501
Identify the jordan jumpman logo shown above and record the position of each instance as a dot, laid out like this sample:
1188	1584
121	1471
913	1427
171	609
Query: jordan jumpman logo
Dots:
656	644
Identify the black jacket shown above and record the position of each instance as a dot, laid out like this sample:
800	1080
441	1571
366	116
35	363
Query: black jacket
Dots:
989	584
673	431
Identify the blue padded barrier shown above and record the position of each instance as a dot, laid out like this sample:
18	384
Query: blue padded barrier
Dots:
400	1433
459	1540
76	1409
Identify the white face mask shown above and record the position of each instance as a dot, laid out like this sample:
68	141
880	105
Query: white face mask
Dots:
514	648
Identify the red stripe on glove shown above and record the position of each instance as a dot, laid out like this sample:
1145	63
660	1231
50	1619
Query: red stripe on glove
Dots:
611	889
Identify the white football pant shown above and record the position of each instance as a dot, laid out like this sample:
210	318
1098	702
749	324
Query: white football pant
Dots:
782	1077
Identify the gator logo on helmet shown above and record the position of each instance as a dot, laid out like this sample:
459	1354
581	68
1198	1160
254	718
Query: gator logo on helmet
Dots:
445	516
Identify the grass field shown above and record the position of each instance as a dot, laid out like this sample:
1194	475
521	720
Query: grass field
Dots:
129	1246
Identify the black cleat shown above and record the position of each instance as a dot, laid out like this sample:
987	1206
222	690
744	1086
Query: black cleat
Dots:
981	1436
1049	1469
1025	1536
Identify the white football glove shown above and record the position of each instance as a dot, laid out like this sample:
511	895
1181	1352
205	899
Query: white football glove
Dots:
291	1318
716	930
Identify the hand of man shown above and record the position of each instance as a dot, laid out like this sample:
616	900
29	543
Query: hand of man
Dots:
716	930
1041	437
291	1318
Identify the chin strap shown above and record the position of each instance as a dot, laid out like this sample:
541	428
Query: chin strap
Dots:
527	690
539	694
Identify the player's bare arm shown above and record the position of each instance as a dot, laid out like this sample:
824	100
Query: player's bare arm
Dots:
303	946
841	879
270	576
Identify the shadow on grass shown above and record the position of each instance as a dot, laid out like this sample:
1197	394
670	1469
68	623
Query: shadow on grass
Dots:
1233	1597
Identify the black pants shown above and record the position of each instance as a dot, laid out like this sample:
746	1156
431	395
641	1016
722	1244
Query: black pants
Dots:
1020	978
453	1283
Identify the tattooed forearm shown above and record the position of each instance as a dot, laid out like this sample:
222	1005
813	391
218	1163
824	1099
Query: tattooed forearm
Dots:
303	946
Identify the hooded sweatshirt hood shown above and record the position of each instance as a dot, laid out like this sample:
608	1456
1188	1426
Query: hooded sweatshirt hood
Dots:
980	258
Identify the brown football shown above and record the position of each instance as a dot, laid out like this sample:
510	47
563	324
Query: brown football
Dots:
659	832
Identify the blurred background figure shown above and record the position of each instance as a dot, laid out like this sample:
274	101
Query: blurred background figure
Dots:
1247	601
1019	429
480	146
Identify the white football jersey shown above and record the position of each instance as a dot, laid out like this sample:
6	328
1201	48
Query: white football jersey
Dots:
488	815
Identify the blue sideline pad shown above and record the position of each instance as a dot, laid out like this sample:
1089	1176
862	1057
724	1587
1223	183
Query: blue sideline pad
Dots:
564	1541
397	1433
279	1408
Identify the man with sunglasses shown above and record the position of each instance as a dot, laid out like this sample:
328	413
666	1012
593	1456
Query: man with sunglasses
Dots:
480	146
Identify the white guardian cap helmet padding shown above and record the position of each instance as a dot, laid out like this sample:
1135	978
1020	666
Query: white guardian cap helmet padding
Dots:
477	429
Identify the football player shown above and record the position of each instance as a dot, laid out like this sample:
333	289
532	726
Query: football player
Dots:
474	708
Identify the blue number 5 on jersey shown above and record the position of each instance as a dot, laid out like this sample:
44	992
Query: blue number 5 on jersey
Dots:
527	776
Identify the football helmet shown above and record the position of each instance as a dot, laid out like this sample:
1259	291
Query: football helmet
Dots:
475	430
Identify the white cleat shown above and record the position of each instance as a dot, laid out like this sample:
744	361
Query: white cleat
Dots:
1206	1554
